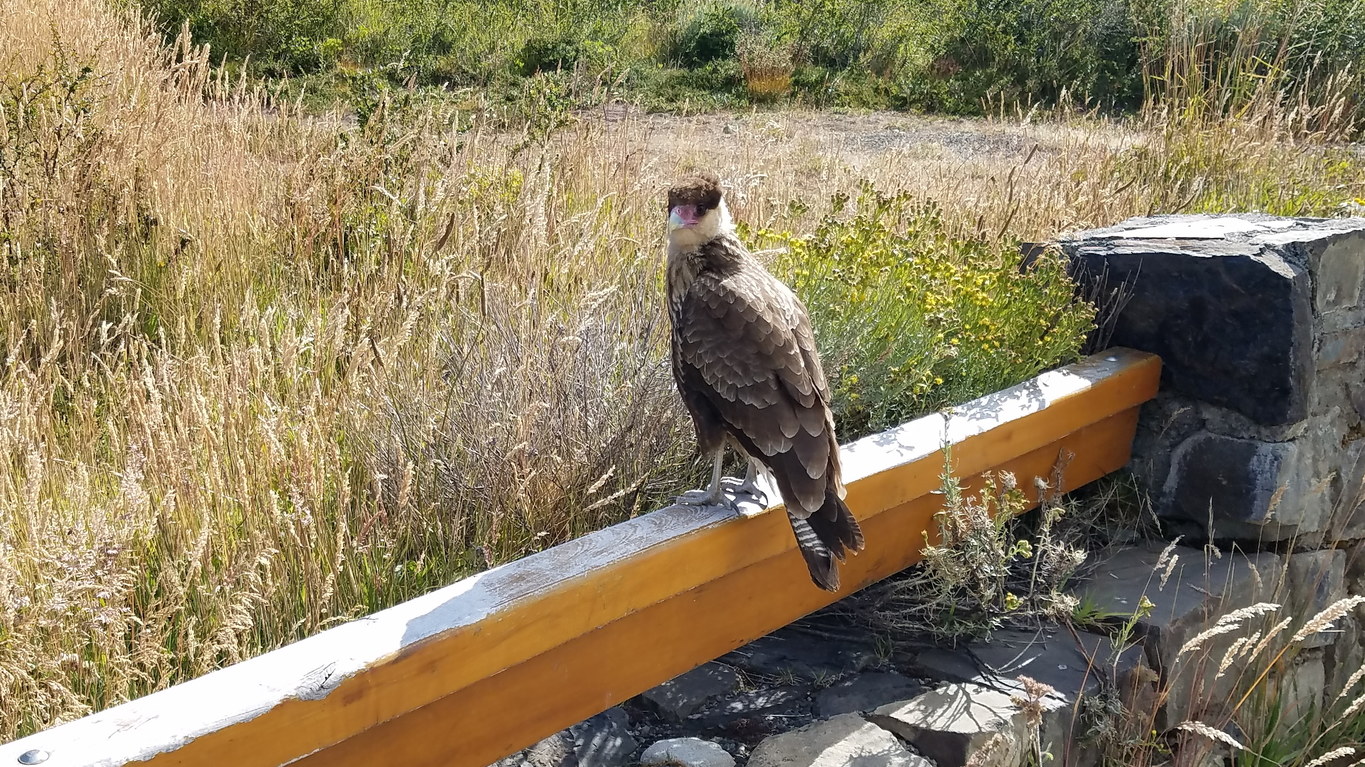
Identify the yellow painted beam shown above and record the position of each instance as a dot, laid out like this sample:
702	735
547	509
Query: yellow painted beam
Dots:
493	663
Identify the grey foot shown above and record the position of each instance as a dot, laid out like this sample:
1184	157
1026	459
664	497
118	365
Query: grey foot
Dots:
749	500
747	488
704	498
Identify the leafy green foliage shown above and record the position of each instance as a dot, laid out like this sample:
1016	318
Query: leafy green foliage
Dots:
945	55
282	35
710	31
913	317
1030	50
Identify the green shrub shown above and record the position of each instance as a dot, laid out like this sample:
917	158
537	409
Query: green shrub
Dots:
717	85
541	54
850	88
912	318
284	36
711	31
986	570
1029	50
834	33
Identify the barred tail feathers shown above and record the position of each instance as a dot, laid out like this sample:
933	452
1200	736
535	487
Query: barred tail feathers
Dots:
825	536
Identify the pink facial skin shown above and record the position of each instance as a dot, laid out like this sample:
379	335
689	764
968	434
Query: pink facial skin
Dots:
682	216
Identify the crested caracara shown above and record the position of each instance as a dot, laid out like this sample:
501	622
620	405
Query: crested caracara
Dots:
745	363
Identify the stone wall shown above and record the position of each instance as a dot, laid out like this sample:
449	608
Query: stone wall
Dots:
1257	435
1257	440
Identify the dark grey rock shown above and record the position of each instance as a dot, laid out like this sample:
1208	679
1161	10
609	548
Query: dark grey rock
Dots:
785	701
1339	276
847	740
1343	348
1345	656
865	692
684	695
1187	592
1163	422
1348	513
1238	480
686	752
1231	319
1316	579
1260	323
792	653
950	724
1073	665
604	740
1184	594
1300	689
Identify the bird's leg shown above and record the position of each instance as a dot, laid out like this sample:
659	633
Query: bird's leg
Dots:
750	486
750	500
712	496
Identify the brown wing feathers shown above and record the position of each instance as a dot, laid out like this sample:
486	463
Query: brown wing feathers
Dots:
745	362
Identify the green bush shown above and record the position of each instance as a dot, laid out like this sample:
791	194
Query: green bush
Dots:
717	85
954	56
710	31
912	318
834	33
1028	50
283	36
541	54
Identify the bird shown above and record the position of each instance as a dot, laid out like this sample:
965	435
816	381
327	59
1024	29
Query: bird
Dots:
747	370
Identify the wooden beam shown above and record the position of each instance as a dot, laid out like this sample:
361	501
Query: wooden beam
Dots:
492	663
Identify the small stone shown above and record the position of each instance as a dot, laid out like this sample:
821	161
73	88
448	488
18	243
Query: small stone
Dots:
730	129
684	695
686	752
865	692
604	740
847	739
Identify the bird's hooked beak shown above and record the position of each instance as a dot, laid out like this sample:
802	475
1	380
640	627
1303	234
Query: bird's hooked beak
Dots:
682	216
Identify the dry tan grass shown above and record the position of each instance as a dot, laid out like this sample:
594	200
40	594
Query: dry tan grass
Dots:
263	372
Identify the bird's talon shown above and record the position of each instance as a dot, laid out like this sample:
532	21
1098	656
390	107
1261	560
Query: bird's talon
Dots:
703	498
749	508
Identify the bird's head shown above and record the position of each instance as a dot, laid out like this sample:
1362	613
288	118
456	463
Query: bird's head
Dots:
696	211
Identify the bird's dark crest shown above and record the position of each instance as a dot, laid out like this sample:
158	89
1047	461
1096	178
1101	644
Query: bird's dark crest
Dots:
700	188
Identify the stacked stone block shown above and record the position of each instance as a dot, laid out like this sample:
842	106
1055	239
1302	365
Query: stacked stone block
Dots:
1260	322
1257	440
